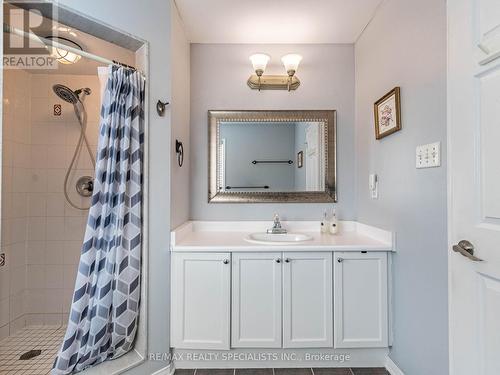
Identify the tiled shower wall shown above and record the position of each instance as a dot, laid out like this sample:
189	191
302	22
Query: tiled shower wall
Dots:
15	187
53	230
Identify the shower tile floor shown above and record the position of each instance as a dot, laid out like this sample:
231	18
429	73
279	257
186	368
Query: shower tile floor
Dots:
46	339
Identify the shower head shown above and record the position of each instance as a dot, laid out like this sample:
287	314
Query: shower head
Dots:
68	95
65	93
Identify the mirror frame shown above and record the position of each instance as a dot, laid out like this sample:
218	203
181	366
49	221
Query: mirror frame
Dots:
328	117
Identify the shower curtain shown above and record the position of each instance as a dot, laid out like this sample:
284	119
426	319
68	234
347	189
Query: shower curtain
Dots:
105	306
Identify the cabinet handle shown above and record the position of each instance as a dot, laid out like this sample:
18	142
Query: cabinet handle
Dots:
278	260
225	261
287	260
340	260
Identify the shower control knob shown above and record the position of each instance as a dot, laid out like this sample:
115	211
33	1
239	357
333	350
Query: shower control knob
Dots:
225	261
85	186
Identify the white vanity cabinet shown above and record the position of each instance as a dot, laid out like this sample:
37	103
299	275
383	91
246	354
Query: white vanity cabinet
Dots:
307	300
279	300
261	281
234	292
256	300
360	299
201	300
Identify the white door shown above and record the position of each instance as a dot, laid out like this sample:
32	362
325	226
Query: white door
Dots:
360	300
313	158
474	185
200	300
307	300
256	300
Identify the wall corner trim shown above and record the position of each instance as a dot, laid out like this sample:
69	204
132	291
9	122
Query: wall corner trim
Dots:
392	367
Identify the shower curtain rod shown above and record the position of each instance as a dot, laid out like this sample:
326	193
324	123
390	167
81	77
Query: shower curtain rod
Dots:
53	43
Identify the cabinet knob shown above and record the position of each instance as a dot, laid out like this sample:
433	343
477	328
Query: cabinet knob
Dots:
278	260
287	260
340	260
225	261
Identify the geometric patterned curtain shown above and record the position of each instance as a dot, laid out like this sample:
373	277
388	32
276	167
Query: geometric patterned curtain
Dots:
105	306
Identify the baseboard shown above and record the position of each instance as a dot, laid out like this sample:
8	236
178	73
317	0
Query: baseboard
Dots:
168	370
392	367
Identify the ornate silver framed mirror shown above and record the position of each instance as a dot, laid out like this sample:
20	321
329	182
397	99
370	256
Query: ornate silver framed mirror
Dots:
272	156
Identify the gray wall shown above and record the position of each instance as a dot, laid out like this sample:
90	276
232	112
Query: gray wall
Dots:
405	45
259	141
179	211
151	23
218	81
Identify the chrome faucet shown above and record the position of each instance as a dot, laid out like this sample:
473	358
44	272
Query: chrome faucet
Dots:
277	228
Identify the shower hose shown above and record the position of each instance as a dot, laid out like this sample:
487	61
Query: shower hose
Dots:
81	115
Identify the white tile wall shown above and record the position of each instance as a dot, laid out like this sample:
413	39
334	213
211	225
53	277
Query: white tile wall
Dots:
55	228
16	160
41	232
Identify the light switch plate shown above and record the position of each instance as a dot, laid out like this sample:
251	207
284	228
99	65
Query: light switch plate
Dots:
429	155
373	185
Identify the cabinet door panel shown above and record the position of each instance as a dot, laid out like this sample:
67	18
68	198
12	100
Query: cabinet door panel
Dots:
200	300
256	300
307	300
360	300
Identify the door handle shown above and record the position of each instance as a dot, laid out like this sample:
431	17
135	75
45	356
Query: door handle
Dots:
466	248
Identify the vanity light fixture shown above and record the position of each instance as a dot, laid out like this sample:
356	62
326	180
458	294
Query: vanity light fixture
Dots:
259	81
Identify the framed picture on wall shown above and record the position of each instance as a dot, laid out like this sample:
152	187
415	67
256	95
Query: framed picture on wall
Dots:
300	159
388	114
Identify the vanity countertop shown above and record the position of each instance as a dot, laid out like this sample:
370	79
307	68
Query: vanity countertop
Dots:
229	236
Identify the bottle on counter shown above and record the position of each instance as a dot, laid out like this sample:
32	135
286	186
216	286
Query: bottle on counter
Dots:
333	226
324	223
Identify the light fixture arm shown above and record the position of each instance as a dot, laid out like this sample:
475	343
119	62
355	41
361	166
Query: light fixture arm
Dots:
259	73
290	73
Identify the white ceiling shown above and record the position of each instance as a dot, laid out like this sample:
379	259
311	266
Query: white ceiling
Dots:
275	21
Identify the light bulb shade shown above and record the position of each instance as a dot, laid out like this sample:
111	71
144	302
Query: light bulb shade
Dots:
62	55
259	61
291	62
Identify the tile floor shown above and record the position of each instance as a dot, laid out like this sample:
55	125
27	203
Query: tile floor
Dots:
47	339
286	371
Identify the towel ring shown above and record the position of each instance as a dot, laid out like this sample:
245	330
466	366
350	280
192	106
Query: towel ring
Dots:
179	150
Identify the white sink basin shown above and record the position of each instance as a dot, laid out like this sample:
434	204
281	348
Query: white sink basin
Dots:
277	239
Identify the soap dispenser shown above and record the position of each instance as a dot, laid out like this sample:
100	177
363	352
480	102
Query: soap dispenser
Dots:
324	223
334	223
